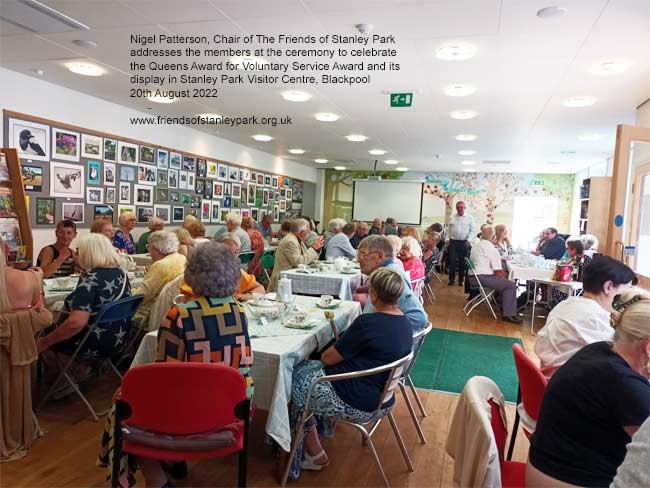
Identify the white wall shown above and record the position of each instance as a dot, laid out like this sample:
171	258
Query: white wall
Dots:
39	98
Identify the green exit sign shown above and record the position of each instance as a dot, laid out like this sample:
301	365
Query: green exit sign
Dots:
401	99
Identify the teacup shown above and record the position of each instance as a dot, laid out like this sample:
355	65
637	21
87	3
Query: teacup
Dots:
257	298
301	317
302	267
326	300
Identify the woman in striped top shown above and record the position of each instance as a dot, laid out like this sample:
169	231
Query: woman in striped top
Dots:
59	259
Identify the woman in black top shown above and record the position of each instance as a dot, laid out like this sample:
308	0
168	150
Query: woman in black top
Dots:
59	259
594	403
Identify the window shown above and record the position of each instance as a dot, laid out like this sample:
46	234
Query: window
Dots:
531	216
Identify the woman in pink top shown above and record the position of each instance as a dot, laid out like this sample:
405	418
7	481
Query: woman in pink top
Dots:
411	256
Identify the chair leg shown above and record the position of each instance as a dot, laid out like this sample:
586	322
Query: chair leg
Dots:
417	397
491	309
241	469
294	446
373	451
515	427
400	441
414	417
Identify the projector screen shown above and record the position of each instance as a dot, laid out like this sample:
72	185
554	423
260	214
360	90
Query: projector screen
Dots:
401	200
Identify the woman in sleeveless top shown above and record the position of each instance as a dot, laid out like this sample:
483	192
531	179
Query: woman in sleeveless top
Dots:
26	290
59	259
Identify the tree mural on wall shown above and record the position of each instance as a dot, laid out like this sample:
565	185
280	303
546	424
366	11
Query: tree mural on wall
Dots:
452	187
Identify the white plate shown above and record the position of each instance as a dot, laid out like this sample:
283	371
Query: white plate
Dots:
293	323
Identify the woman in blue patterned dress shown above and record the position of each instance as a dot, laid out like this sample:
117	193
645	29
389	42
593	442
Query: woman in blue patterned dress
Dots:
122	239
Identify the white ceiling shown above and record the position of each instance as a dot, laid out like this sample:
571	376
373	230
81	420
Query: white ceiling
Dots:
524	68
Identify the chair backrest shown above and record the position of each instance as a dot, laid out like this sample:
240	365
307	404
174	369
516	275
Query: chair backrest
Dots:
119	310
396	369
532	382
268	260
246	257
418	287
471	273
183	398
418	342
164	302
499	429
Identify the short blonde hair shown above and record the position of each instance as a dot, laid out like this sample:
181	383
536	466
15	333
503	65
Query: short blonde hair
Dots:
125	217
97	225
155	222
413	246
233	218
184	236
387	284
411	231
396	244
248	223
630	316
432	234
95	251
194	227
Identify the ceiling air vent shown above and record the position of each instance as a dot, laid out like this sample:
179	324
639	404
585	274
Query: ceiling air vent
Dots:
496	161
38	18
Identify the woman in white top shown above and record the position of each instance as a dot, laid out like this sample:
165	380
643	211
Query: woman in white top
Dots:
579	321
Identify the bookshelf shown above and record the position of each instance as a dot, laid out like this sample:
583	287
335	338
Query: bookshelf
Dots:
594	207
15	184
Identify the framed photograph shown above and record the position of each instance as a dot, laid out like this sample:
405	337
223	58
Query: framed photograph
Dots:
65	144
45	211
174	197
91	146
205	210
222	172
286	182
182	180
147	174
283	192
251	194
94	195
242	174
208	190
185	198
289	193
235	203
127	173
125	192
94	172
274	181
173	178
215	212
175	160
143	194
162	194
195	201
109	196
109	174
147	155
253	177
236	190
178	214
254	213
125	208
245	213
162	178
66	180
143	214
227	201
32	178
163	212
188	163
265	198
276	213
103	212
199	187
226	190
283	205
190	181
32	140
72	211
267	180
260	179
128	153
163	158
233	174
201	168
246	176
217	189
110	150
211	170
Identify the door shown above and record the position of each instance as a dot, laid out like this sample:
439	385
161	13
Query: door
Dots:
639	232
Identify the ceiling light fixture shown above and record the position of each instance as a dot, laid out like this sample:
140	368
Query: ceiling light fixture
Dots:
469	170
297	151
85	43
466	137
377	152
327	117
356	138
262	137
468	163
85	69
401	168
339	168
610	67
321	160
296	96
456	51
391	161
463	114
458	90
466	152
551	12
160	99
589	137
579	102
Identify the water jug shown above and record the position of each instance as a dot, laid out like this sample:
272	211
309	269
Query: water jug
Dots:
284	290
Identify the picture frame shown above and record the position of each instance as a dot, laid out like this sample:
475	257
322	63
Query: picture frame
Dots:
109	196
178	214
227	202
201	168
162	194
188	163
254	213
91	146
217	189
94	172
289	193
66	180
110	150
265	198
34	144
247	175
283	192
260	179
276	213
147	174
236	191
253	177
274	181
227	189
199	187
147	155
215	212
109	174
73	211
211	170
267	180
163	158
125	208
65	144
233	174
182	180
163	212
208	189
125	192
127	153
190	181
252	190
222	172
172	178
143	214
286	181
195	201
283	205
162	179
175	160
103	212
242	174
185	198
128	173
94	195
174	197
45	211
32	178
234	203
205	210
143	195
245	213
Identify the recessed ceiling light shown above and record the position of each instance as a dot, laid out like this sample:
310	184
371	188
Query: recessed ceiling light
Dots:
377	152
610	68
589	137
551	12
253	63
466	152
578	102
567	152
466	137
458	90
326	117
262	137
468	163
297	151
296	96
160	99
463	114
85	69
391	161
401	168
356	138
469	170
321	161
85	43
339	168
456	51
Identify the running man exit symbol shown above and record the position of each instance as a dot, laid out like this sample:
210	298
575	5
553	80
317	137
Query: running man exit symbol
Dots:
401	99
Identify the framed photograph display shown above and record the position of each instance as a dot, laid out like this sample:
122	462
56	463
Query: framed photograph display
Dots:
162	194
103	212
147	174
190	180
217	189
215	210
32	178
65	144
188	163
163	212
274	181
91	146
125	192
252	187
66	180
109	174
222	172
260	179
175	160
163	158
45	211
178	214
182	180
174	197
94	172
162	178
143	195
211	170
205	210
94	195
147	155
128	173
125	208
223	215
254	213
31	140
172	178
236	191
267	180
233	174
127	153
110	150
109	196
73	211
143	214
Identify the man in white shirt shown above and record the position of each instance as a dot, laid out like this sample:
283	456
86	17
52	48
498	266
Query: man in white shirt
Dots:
340	246
487	265
461	230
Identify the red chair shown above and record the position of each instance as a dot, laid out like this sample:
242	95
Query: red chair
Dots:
184	399
532	386
513	474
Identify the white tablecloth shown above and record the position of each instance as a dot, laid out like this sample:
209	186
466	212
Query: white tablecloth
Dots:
274	359
142	259
527	273
53	295
324	283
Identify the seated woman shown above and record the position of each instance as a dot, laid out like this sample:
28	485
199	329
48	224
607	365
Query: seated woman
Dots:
257	244
590	243
123	239
285	228
247	284
185	241
26	290
595	403
409	230
411	256
430	249
196	230
102	282
575	258
502	243
103	226
155	224
167	265
59	259
396	242
373	339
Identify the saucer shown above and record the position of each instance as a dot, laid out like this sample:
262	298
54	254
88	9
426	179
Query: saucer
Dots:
333	304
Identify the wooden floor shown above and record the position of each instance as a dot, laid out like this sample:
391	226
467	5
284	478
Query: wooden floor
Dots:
66	455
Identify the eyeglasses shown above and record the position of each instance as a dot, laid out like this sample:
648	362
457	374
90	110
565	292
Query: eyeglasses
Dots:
366	253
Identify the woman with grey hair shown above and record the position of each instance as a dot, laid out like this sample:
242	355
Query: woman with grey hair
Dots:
334	226
590	244
155	224
168	263
233	224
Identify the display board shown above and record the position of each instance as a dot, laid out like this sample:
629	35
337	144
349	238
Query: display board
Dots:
78	173
401	200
